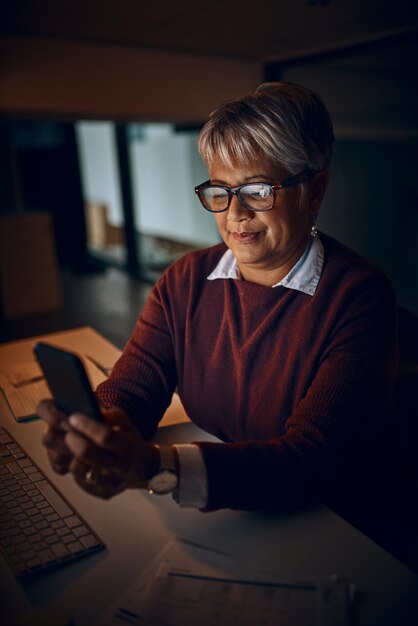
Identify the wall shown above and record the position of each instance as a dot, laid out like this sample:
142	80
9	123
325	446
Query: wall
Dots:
86	81
372	201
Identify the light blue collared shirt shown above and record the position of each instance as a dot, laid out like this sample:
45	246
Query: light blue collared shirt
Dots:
304	275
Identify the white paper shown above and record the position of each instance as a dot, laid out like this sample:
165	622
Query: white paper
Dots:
188	585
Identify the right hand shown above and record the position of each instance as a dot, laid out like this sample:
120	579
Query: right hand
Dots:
60	456
114	449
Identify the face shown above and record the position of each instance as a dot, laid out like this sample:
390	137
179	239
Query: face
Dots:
265	244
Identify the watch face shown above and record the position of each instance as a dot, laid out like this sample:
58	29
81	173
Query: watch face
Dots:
163	483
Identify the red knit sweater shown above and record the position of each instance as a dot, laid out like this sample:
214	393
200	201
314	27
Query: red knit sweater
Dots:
297	386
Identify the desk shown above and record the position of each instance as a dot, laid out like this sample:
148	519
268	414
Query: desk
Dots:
136	526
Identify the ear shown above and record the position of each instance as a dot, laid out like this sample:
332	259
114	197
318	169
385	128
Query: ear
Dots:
317	188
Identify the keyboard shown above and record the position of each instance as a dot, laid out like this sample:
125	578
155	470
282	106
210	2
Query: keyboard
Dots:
39	529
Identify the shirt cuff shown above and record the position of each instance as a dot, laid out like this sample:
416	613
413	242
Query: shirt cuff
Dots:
193	485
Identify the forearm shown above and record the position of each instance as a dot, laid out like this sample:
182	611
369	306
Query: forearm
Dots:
264	475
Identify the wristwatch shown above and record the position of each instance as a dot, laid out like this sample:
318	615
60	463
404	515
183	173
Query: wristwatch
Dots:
166	480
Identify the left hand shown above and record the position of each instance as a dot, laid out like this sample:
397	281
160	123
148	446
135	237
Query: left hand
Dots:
109	457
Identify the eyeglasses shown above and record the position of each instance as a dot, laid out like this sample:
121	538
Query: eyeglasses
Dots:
252	196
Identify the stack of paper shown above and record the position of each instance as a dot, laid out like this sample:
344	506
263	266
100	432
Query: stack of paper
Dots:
188	585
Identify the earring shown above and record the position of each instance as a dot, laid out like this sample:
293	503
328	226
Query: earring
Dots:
314	230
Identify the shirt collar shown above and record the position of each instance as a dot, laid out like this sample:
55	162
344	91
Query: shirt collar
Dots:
304	275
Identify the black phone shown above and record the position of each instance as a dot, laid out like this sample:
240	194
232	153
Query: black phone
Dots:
67	380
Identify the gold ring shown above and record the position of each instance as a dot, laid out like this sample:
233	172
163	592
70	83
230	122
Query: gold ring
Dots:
91	476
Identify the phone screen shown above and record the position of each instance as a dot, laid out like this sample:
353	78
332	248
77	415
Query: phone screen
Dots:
67	380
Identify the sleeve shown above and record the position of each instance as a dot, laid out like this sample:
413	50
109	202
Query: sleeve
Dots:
143	380
193	488
333	426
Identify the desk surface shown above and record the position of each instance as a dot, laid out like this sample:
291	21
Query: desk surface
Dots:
135	526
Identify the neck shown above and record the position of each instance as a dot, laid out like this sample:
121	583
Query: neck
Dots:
269	276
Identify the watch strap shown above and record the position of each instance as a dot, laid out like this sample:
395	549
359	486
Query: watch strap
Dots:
167	459
167	477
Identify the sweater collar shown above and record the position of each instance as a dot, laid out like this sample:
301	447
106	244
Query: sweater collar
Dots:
304	275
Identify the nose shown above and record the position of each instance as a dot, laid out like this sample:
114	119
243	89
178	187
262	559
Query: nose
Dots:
237	212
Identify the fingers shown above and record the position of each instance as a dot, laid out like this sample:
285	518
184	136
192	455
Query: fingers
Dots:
80	445
94	469
59	463
54	439
102	435
103	486
58	452
104	458
48	411
86	454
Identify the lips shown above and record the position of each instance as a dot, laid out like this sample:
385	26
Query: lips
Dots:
245	237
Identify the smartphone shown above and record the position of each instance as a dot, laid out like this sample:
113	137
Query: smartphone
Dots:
68	381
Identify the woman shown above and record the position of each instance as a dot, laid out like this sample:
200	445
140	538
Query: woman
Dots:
281	341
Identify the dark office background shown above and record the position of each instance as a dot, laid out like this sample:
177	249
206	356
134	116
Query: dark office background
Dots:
366	72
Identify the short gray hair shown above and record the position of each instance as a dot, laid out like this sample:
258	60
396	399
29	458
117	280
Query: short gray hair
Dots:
287	124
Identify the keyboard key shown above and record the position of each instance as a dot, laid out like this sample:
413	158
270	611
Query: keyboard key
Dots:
47	556
28	554
57	524
60	550
33	563
52	539
72	521
89	541
25	523
42	524
8	525
35	476
25	482
54	498
13	468
80	531
15	510
75	547
23	500
25	463
42	505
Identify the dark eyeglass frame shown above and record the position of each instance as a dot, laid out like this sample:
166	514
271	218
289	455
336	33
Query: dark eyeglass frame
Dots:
235	191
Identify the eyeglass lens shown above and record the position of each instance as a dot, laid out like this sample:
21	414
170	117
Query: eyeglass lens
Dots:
256	196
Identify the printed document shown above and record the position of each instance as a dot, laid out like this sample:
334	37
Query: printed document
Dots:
189	584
